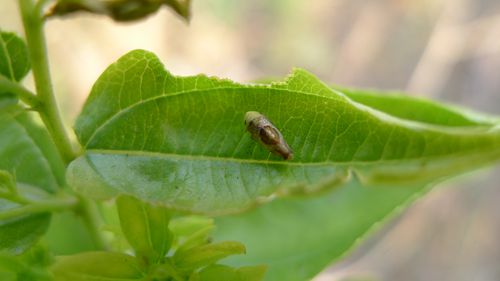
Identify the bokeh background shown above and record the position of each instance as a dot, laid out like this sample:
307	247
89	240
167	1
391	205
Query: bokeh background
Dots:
448	50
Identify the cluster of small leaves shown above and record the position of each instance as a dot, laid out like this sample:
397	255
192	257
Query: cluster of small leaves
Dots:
30	168
119	10
31	265
165	249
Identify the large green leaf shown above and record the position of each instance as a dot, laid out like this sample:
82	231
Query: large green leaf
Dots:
297	237
14	59
181	142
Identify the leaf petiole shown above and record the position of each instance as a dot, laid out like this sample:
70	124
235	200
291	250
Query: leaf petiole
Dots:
15	88
43	206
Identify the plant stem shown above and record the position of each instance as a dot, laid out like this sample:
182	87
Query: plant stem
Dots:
33	27
37	207
24	94
91	219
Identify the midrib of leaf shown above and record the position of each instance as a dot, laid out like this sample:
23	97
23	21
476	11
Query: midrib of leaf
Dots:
145	218
347	163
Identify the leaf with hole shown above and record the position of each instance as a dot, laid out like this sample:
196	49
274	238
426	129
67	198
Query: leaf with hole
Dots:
181	141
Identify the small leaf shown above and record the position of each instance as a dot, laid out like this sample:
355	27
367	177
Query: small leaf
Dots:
199	238
163	271
16	236
20	233
38	256
7	182
181	142
39	163
27	152
100	266
14	57
185	226
68	234
17	268
207	254
145	227
219	272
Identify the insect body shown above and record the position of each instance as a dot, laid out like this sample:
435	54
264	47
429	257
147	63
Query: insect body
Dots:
263	131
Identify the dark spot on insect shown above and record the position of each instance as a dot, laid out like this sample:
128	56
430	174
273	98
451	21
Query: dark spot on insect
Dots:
268	135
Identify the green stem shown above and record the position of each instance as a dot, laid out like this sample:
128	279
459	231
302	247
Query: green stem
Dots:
15	88
33	27
15	197
92	221
37	207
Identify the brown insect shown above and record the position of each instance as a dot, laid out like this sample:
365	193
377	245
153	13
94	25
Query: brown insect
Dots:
264	132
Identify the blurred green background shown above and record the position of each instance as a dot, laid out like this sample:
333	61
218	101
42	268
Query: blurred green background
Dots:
448	50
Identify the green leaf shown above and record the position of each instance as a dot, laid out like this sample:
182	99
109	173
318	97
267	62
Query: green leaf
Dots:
219	272
185	226
16	236
29	266
207	254
181	142
164	271
417	109
14	58
121	10
7	182
145	227
297	238
7	100
27	152
22	232
68	234
199	238
98	266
